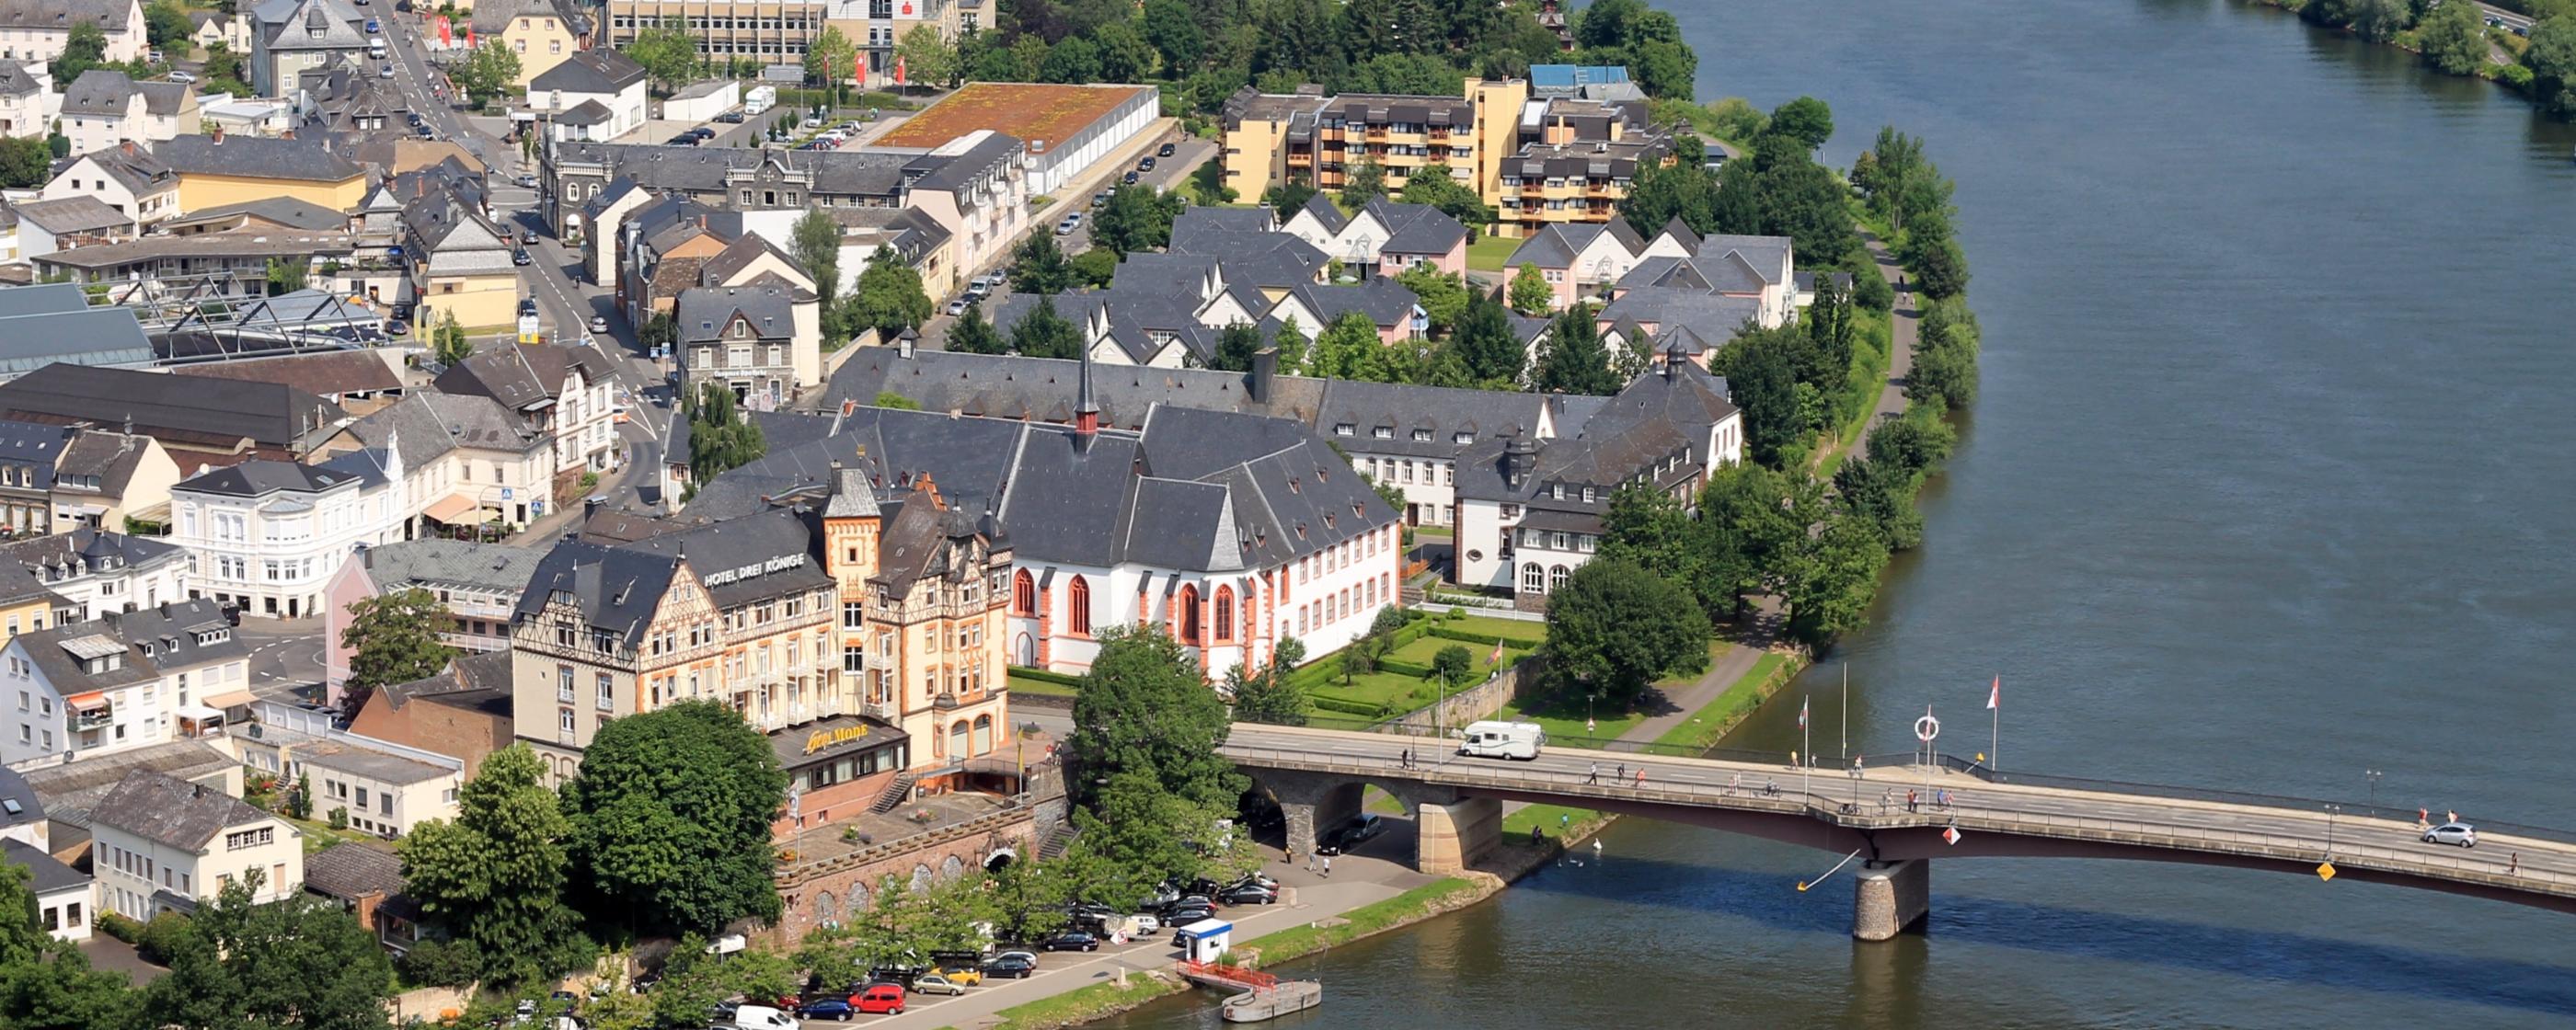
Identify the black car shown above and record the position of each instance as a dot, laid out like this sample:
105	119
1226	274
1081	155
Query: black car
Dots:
1130	179
1092	910
1166	151
1186	916
1145	165
1100	199
528	237
1194	900
1249	894
520	257
402	312
1071	940
1351	834
1012	966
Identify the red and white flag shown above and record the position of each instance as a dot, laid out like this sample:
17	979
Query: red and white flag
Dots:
1802	713
898	69
1995	695
1497	657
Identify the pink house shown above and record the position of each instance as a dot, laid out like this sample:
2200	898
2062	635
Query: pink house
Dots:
1390	236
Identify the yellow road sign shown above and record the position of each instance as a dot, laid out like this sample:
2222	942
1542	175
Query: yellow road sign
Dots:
2325	870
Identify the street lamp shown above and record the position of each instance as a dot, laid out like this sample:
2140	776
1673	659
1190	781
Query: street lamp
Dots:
2331	809
2373	776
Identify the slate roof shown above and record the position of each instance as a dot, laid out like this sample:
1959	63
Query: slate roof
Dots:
171	811
702	169
49	874
1326	213
1416	228
1486	416
618	587
969	164
309	25
328	372
521	376
1672	305
588	112
358	760
304	160
100	93
19	805
14	80
1201	218
450	563
479	681
260	477
1762	255
1656	415
493	16
705	314
171	631
27	565
597	70
110	456
71	790
354	869
740	254
142	172
34	445
1385	301
166	99
427	425
290	212
64	216
923	540
1557	245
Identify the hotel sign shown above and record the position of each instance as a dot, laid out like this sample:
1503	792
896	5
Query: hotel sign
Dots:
826	738
755	570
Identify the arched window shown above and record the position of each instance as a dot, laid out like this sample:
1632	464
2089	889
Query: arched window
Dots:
1556	579
920	878
1224	615
983	734
957	739
950	870
1024	594
1078	596
1533	579
1186	625
858	898
825	907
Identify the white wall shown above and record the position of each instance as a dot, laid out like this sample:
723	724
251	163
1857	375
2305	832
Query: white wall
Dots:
129	868
278	563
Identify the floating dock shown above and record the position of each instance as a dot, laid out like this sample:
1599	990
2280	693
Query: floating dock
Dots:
1259	996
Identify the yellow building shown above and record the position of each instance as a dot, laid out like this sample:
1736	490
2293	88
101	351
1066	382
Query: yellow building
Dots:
457	264
541	32
215	170
1305	136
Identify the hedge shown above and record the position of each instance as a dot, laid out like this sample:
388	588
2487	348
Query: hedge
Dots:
1403	668
1487	639
1345	706
1045	676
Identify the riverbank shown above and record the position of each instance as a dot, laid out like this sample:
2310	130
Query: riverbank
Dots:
2510	73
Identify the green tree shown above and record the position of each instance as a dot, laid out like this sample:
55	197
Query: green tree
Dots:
899	402
667	52
487	71
1364	181
1661	193
1433	185
1293	343
1267	696
1647	528
889	297
1613	628
1038	266
165	24
299	803
1832	576
815	242
2551	58
1174	33
394	638
1744	536
1945	356
448	345
1124	54
1881	496
1485	343
659	330
972	334
720	437
84	48
1531	293
297	964
670	819
1208	179
2453	39
287	275
1135	218
1071	60
1236	345
1097	267
47	984
1043	333
1443	296
928	59
1760	373
1454	665
1806	120
1349	348
1940	269
494	878
1290	196
1574	360
1143	711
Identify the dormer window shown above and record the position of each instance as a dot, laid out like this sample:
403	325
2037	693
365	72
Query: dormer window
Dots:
1557	491
1345	429
1422	436
1383	433
1463	439
1587	495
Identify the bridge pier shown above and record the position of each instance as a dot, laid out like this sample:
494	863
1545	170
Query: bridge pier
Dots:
1451	837
1889	898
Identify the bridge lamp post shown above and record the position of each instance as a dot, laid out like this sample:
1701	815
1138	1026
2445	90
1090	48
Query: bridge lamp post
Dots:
2373	776
2331	809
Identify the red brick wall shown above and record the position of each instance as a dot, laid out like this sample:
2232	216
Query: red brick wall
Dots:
801	901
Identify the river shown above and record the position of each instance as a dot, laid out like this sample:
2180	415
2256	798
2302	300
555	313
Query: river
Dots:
2270	484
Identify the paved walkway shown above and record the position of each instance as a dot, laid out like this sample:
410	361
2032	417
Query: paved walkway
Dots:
1900	347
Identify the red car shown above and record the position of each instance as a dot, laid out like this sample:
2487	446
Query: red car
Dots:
881	999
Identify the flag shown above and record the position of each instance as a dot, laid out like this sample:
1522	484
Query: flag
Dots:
1995	696
1802	713
898	69
1497	657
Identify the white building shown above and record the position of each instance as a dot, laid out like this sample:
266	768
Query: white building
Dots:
594	94
159	844
124	680
91	573
564	392
372	786
39	32
268	535
65	897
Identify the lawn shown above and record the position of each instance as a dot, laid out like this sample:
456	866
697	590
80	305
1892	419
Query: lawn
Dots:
1713	721
1031	685
1488	253
1552	820
1085	1004
1428	899
1566	720
1404	692
319	834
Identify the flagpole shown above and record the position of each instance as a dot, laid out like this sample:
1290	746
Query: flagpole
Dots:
1846	713
1995	729
1807	740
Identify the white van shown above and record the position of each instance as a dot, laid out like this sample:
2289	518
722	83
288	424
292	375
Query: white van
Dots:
1495	739
762	1017
376	47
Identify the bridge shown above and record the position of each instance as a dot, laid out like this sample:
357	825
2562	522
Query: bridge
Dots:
1317	776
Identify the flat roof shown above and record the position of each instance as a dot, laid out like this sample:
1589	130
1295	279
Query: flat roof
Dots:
1033	111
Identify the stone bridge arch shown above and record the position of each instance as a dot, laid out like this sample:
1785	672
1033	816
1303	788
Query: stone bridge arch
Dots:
1450	831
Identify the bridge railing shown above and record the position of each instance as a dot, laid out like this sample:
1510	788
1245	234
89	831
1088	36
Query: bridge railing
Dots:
2348	809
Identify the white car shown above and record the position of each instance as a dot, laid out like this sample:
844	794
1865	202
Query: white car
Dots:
2461	834
598	323
1147	923
180	76
385	72
933	983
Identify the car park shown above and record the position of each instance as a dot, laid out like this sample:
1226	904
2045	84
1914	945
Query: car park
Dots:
938	983
2459	834
881	999
1071	940
827	1008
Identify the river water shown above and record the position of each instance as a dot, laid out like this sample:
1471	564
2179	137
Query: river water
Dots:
2271	483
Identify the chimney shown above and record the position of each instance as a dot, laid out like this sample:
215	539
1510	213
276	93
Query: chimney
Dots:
589	506
1265	364
364	907
903	342
129	147
218	135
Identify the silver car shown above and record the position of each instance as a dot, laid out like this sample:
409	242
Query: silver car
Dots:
2461	834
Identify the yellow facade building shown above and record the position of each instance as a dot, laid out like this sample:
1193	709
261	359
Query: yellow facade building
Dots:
540	32
215	170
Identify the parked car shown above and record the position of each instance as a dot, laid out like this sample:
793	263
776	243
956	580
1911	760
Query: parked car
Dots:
1147	923
1145	165
1187	914
957	307
763	1017
385	72
598	323
936	983
1100	199
1071	940
180	76
1091	910
2461	834
527	180
827	1008
1351	834
1066	227
881	999
1263	879
730	117
1186	901
1129	178
1249	894
397	327
961	973
1166	151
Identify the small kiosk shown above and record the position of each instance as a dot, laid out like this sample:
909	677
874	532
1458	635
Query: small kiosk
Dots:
1206	939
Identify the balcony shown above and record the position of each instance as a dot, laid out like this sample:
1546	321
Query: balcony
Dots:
92	718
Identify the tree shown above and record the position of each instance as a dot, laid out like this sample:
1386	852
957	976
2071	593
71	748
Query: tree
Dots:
394	638
927	57
487	71
1833	575
1881	496
2453	39
815	242
47	984
1765	384
972	334
1135	218
1945	356
1208	179
1267	696
1097	267
670	819
667	52
1613	628
1574	361
1043	333
2551	58
1806	120
1174	33
1647	528
1038	266
297	964
165	24
1443	296
1486	345
831	60
1124	54
1363	182
1433	185
84	48
719	437
1940	269
448	345
889	297
26	162
1660	193
659	331
1290	196
1349	348
288	274
1071	60
1453	664
1143	711
1531	293
1236	345
494	878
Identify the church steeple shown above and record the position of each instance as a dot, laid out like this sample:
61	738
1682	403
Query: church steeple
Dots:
1086	408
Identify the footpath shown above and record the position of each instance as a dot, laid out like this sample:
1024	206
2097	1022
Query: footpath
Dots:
1900	347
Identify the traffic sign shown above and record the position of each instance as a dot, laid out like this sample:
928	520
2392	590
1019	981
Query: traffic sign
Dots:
505	493
2325	870
1952	836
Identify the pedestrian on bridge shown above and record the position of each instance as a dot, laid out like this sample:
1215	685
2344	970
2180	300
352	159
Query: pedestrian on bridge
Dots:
2513	864
2451	815
1593	776
1641	777
1620	773
1856	765
2423	819
1911	804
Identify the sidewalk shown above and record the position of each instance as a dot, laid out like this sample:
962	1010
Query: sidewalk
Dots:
1900	348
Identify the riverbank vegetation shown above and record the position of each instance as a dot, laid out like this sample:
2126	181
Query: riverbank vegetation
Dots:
2460	39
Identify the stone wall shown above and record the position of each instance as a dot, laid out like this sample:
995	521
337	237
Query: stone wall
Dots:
815	892
1481	701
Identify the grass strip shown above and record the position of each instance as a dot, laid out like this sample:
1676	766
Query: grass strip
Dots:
1085	1004
1422	902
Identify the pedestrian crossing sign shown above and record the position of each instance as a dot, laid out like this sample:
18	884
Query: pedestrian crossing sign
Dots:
2325	870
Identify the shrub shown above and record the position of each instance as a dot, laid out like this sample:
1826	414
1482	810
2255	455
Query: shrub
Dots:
1487	639
119	927
1347	706
339	818
441	963
158	939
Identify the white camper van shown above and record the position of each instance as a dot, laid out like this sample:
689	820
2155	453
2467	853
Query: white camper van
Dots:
1493	739
762	1017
